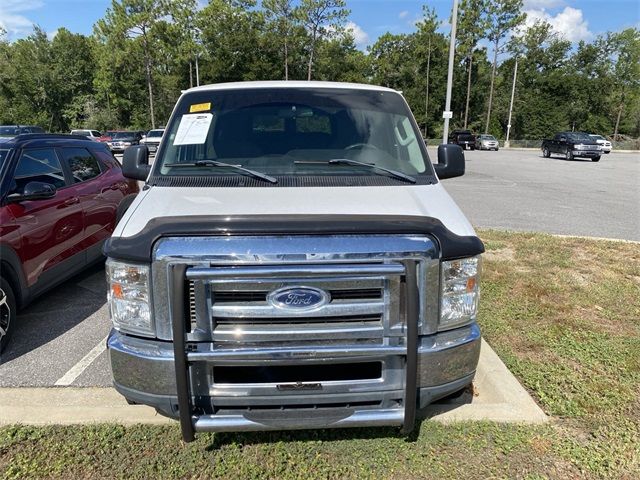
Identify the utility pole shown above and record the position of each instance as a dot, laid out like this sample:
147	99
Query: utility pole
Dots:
426	100
513	91
197	71
447	114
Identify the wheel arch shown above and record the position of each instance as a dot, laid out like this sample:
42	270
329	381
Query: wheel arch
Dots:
11	271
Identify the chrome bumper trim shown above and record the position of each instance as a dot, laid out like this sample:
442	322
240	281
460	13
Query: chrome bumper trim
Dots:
147	365
239	423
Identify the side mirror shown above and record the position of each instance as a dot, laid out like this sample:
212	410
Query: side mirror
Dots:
34	191
450	161
563	139
135	162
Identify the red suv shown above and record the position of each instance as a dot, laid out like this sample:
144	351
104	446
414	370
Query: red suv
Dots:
60	199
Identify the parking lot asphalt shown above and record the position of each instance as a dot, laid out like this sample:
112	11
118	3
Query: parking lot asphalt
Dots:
60	339
521	190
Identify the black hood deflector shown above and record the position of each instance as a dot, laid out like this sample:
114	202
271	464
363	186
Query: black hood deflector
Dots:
139	247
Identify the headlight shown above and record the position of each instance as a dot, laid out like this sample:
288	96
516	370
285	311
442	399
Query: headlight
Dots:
127	144
460	290
128	297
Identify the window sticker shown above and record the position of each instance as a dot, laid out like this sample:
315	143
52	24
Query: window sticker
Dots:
193	129
200	107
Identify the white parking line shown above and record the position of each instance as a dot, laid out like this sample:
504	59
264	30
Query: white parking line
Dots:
75	371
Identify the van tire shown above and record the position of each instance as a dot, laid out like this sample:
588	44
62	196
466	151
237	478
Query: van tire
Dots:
7	313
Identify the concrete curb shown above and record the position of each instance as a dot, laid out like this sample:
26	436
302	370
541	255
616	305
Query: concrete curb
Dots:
499	398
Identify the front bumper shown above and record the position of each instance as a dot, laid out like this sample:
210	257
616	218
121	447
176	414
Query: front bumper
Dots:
144	372
586	153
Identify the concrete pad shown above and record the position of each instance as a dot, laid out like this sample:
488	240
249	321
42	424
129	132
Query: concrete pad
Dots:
71	405
498	396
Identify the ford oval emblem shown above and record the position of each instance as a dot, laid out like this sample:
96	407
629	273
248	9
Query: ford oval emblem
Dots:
298	298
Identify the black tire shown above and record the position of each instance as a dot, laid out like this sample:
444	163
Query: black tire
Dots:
497	149
7	313
568	154
546	153
596	159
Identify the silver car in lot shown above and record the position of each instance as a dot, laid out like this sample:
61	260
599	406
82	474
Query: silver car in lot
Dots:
487	142
605	145
152	139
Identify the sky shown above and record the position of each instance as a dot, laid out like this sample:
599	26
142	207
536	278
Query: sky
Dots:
575	19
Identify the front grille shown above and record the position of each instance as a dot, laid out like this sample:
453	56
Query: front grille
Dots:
235	296
349	348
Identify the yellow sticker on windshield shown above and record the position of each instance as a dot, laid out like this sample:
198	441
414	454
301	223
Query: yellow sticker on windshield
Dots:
200	107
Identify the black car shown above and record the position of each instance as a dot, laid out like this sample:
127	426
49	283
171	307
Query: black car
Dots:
120	141
14	130
464	138
572	145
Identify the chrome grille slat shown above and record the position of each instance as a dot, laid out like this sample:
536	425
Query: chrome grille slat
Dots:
284	271
257	311
275	332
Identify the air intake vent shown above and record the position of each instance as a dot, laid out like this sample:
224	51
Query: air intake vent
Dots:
230	181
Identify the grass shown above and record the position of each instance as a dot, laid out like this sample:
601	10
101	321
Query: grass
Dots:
564	315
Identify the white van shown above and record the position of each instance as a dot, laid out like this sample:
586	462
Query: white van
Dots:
293	261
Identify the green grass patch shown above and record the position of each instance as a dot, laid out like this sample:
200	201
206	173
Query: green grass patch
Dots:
562	313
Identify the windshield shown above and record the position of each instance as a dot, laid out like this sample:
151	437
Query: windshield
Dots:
123	135
597	137
155	134
582	137
293	132
9	131
86	133
487	137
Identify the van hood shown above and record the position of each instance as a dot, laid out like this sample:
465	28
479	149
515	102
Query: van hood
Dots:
419	201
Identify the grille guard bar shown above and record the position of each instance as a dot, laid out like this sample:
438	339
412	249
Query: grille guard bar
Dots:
189	423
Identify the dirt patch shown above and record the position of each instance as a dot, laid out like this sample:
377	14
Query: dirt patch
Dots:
500	255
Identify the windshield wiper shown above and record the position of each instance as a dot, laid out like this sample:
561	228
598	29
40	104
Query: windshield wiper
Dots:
215	163
373	166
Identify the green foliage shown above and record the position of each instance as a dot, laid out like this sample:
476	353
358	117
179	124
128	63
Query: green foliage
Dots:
144	52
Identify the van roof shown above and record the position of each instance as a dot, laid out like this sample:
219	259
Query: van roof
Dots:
288	84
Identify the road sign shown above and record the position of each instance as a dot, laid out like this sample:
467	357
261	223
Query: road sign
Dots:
447	114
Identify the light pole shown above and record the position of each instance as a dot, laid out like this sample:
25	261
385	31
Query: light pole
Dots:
197	71
426	100
447	114
513	91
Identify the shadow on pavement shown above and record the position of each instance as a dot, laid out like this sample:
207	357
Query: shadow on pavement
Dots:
57	311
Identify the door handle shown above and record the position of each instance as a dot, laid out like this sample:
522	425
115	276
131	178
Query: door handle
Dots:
71	201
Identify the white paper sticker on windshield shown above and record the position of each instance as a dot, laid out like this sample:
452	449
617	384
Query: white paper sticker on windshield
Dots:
193	129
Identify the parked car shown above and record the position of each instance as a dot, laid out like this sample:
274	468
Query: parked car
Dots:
13	130
464	138
120	141
60	199
108	135
152	139
293	262
90	134
572	145
486	142
605	145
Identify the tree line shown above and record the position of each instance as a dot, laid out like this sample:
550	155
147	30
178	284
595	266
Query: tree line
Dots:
130	71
